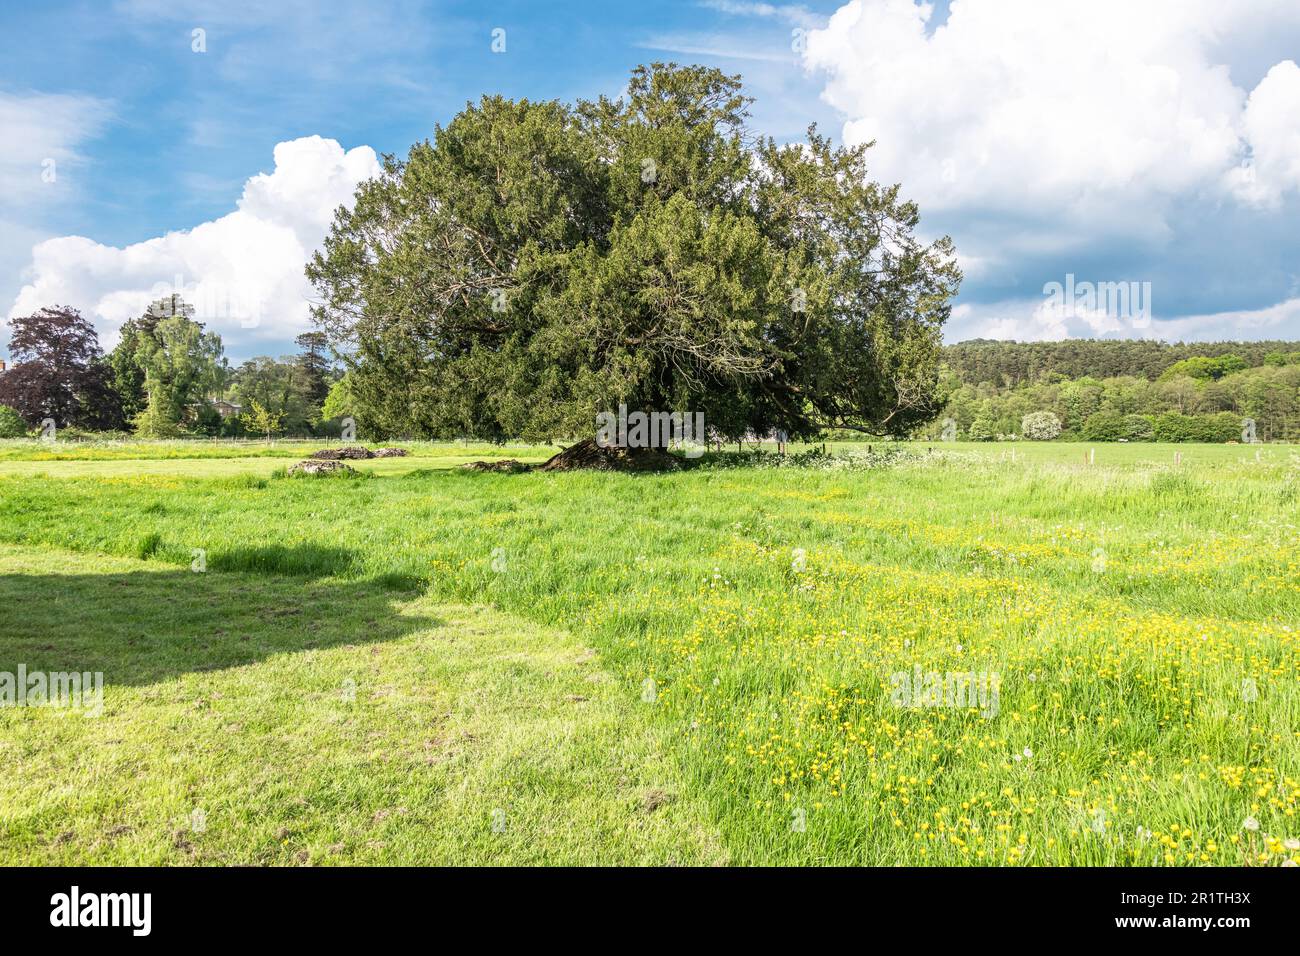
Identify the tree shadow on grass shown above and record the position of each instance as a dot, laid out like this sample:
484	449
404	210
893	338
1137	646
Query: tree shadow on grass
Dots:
144	626
307	559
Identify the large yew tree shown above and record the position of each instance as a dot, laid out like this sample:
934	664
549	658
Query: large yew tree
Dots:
536	263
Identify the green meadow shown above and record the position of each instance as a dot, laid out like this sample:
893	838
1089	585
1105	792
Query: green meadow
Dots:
734	664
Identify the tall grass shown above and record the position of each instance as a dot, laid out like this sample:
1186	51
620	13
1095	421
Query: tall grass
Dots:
1142	619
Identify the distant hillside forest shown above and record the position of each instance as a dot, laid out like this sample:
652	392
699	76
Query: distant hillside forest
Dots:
1121	391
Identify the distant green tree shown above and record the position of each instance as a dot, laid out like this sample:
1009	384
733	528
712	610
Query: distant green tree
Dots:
127	373
340	402
261	421
1138	428
1279	358
1174	427
1179	393
315	365
1013	364
182	367
1079	399
157	421
1221	427
983	428
1267	391
280	387
11	423
1104	426
1203	368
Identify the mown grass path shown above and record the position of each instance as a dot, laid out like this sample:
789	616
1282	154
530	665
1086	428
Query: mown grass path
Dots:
263	719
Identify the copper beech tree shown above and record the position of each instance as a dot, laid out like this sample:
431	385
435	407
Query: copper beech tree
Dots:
59	373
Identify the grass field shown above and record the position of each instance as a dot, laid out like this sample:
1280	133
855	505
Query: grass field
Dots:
427	665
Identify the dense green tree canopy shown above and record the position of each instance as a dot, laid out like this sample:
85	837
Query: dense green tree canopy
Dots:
128	374
11	423
1164	407
284	389
537	263
181	366
315	365
1008	364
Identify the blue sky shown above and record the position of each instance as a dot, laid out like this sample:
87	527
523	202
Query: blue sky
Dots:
1084	139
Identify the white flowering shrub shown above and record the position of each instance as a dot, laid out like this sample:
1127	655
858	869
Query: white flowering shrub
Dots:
1040	426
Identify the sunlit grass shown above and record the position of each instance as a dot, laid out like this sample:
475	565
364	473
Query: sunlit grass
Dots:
1141	615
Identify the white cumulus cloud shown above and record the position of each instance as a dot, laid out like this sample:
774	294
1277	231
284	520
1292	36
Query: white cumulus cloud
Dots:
1271	126
1072	108
1112	137
1036	320
243	271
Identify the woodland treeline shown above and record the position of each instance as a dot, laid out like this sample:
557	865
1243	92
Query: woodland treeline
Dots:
1122	390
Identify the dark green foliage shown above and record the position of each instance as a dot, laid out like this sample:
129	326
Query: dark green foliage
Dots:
1104	426
284	390
127	373
11	423
537	263
1282	358
315	368
1221	427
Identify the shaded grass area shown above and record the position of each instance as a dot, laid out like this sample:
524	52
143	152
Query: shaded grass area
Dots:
259	718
